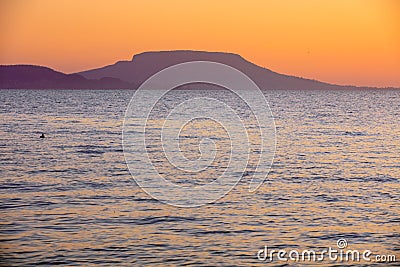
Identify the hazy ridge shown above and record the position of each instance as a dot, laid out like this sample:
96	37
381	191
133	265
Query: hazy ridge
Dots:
130	74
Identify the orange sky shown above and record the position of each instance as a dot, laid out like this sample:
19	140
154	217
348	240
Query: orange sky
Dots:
339	41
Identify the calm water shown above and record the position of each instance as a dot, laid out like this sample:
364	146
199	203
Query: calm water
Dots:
69	199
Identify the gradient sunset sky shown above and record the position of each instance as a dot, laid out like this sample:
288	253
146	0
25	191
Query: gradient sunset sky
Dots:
339	41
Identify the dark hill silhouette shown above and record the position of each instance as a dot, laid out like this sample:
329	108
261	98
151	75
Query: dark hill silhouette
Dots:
130	74
144	65
38	77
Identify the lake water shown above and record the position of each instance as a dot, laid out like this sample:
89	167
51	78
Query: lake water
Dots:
69	199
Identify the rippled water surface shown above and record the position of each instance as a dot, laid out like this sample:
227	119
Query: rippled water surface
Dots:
69	199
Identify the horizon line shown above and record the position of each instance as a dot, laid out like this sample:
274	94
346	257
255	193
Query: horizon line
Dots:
201	51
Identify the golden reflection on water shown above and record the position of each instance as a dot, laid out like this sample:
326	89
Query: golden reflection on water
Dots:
69	198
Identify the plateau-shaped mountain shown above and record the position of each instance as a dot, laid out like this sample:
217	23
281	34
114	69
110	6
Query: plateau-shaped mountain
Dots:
144	65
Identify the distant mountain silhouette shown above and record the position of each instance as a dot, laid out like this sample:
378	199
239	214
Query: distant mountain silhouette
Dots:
130	74
144	65
38	77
